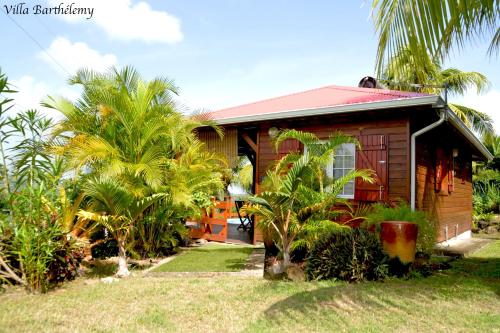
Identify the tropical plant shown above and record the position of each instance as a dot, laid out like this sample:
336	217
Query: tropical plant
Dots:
125	134
5	133
426	226
433	27
298	193
243	174
351	255
29	244
112	205
402	73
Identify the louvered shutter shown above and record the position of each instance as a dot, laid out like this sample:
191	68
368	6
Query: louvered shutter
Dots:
372	155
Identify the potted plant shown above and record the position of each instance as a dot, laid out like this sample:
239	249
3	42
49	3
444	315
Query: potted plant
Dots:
403	232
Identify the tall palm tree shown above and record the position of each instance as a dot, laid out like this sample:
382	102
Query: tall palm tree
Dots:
403	73
293	198
437	25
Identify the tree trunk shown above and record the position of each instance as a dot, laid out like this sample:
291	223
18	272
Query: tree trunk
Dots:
122	259
286	257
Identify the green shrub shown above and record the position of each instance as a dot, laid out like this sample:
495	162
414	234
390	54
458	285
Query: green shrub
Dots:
350	255
153	238
426	226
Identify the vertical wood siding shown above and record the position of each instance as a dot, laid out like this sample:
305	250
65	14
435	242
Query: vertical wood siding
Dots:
227	147
450	206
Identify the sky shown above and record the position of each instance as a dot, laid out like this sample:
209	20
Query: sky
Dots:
220	53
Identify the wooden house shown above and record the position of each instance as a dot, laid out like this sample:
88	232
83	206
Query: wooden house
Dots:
421	151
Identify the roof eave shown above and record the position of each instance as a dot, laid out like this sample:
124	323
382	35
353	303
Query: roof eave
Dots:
358	107
473	139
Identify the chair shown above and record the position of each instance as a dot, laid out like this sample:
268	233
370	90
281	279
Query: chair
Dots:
245	221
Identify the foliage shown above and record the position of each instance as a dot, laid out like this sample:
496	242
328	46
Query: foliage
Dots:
402	73
486	198
35	241
350	255
433	27
243	174
112	205
426	225
139	158
298	195
157	237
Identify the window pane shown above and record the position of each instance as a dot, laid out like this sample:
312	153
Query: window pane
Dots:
349	162
349	188
349	148
337	173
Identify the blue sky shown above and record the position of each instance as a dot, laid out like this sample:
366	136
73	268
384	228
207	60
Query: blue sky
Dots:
220	53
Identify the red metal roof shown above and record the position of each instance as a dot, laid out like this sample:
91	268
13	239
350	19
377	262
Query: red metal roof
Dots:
329	96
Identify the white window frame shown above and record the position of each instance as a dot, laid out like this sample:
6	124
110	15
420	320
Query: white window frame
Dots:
330	168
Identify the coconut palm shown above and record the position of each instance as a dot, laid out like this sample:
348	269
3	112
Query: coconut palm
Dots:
403	73
294	198
438	26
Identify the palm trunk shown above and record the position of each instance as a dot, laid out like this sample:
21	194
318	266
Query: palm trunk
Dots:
286	257
122	259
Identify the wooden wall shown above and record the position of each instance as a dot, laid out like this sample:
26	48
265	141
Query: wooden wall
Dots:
452	209
394	127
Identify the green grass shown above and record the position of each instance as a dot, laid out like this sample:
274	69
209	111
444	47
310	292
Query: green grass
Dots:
209	258
462	299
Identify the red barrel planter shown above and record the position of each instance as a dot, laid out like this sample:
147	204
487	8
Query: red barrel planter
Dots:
399	240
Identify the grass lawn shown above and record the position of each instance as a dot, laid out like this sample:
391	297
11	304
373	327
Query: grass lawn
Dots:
465	298
209	258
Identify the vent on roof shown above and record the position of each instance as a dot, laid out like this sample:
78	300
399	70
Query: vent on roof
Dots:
368	82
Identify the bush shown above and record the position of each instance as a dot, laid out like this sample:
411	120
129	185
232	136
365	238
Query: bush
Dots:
426	226
350	255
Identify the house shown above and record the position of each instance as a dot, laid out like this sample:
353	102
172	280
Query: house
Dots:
421	152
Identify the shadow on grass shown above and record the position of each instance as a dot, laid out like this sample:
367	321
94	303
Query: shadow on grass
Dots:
466	280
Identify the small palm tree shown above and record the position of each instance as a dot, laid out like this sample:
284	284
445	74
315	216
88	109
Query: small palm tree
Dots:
403	73
298	192
112	205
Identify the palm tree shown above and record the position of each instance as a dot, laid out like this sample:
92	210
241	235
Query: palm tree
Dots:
295	195
112	205
403	73
437	25
126	133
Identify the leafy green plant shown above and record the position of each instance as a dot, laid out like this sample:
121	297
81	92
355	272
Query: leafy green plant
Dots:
351	255
426	226
299	196
33	241
154	237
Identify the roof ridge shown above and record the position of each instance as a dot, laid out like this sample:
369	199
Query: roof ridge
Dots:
388	92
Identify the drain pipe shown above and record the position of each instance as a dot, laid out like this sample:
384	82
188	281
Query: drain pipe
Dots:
413	162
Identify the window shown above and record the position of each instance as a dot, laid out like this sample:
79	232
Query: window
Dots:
342	163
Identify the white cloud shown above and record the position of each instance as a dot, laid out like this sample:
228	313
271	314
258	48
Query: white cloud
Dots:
30	92
123	20
488	103
73	56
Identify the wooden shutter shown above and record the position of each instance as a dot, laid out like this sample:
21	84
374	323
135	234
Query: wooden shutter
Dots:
444	172
288	146
372	155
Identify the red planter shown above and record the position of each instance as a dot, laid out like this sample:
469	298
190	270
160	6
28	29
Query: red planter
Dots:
399	239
